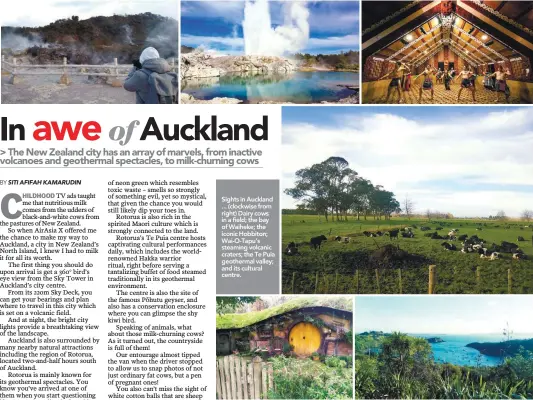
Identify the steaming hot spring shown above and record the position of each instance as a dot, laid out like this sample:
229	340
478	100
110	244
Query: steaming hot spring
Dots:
271	70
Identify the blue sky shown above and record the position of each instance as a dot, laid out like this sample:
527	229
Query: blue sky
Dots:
217	25
469	161
468	314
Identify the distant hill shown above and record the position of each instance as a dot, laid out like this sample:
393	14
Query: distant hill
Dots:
508	348
95	40
342	61
435	340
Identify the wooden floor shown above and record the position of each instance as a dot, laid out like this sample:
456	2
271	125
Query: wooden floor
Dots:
442	96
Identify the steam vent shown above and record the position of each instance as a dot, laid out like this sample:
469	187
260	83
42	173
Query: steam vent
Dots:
481	35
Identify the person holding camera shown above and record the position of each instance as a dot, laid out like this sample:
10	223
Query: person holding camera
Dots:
152	79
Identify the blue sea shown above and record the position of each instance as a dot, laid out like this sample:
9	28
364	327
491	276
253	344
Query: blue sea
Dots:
297	87
453	349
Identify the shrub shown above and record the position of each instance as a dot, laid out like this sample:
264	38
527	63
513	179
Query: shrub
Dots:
305	379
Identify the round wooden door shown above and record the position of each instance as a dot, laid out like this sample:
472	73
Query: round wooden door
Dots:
305	338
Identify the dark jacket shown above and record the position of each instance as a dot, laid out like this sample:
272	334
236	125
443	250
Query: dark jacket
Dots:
137	80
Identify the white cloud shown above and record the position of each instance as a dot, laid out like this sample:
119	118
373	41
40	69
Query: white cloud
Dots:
191	40
43	12
333	20
344	42
347	42
401	154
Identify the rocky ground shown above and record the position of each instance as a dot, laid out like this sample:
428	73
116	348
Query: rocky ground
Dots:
188	99
198	64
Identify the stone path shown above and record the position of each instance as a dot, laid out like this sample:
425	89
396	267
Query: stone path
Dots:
45	90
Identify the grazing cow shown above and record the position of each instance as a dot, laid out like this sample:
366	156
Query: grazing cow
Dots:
438	228
448	246
338	238
367	234
316	242
346	239
462	237
485	251
408	234
521	239
495	247
292	249
379	233
435	235
394	233
507	247
425	228
495	255
519	256
467	249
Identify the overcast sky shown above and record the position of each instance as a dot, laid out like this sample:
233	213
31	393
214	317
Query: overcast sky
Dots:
216	25
445	314
42	12
470	161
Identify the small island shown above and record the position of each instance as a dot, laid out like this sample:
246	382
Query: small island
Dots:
435	340
507	348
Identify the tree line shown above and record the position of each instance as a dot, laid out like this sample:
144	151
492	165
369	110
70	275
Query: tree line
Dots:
332	189
343	60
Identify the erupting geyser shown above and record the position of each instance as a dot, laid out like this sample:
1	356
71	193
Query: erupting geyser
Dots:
260	38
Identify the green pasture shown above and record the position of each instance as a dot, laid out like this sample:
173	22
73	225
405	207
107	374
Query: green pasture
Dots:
349	268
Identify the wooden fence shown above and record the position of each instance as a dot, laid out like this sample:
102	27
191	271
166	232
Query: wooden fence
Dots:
116	70
355	281
238	378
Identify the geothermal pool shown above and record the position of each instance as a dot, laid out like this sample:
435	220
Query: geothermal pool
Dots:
297	87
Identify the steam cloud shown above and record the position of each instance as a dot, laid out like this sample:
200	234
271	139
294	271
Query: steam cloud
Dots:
164	37
19	43
127	34
261	39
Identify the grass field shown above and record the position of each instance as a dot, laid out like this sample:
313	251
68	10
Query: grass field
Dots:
349	268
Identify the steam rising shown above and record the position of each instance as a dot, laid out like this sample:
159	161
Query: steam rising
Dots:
127	34
164	37
260	38
17	42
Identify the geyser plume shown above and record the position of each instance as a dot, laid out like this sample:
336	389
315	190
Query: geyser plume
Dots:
260	38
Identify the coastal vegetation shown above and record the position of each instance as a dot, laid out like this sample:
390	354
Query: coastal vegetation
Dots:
401	366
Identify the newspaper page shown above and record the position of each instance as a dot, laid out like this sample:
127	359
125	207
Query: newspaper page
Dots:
266	199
